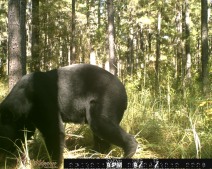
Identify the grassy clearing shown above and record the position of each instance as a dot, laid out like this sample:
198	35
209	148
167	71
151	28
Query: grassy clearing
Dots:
165	127
171	128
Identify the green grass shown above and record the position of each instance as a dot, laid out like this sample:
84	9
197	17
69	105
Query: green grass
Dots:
182	130
168	126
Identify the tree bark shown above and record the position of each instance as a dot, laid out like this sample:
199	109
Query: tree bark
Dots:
23	35
204	50
35	36
16	38
186	56
179	49
130	53
99	14
73	46
187	44
157	85
111	37
89	41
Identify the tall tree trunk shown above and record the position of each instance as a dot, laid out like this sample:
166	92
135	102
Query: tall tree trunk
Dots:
185	47
187	44
23	35
111	37
88	24
157	85
149	41
35	36
46	42
89	37
179	49
99	14
204	50
73	46
130	53
142	44
15	41
92	57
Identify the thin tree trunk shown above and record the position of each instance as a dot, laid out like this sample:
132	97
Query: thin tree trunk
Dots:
142	45
35	36
73	46
81	56
89	38
149	41
14	42
88	24
204	50
184	57
187	44
179	45
111	37
99	14
157	54
92	57
46	43
23	35
130	53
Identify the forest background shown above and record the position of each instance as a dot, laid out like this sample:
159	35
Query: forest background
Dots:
159	49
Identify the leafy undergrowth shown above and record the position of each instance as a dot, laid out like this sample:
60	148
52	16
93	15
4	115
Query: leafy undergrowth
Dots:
164	128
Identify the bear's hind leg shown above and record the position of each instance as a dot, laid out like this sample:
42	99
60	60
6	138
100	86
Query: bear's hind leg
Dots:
106	129
101	145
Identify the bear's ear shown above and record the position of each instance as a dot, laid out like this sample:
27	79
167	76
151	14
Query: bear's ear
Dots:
6	117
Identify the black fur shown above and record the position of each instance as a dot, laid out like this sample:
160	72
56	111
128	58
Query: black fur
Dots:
79	94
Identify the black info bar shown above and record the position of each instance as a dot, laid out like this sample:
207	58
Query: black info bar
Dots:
137	163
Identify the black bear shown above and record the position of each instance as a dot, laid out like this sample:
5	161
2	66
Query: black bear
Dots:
80	93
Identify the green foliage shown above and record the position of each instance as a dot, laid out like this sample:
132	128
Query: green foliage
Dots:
179	129
3	36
